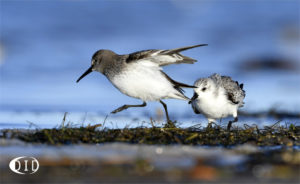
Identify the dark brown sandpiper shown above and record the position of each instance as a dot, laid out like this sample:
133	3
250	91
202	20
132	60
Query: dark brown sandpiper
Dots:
140	75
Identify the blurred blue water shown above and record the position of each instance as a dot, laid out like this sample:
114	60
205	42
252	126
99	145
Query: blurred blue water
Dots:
46	45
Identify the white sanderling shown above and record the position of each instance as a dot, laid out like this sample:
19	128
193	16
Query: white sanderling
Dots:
140	75
218	97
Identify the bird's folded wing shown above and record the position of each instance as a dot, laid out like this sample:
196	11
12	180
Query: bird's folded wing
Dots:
162	57
235	92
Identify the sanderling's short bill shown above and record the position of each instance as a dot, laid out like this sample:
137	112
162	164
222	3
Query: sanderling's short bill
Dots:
140	75
218	97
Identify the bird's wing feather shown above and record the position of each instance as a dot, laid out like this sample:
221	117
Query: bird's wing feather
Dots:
235	92
140	55
162	57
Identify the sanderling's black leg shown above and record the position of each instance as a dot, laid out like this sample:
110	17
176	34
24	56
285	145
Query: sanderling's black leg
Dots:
209	125
127	106
166	110
210	122
230	123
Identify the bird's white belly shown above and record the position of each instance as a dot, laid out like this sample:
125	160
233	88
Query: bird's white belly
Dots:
216	110
143	83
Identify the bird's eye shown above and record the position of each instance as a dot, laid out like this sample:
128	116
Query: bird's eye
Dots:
203	89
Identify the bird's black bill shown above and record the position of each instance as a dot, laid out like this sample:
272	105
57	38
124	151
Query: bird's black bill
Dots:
194	97
85	73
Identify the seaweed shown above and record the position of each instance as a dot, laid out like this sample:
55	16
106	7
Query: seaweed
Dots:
213	136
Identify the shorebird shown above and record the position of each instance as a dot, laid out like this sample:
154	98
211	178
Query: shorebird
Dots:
218	97
139	74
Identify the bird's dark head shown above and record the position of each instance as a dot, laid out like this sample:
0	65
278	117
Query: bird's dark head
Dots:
99	62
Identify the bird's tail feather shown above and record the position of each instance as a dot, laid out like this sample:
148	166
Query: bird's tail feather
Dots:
177	50
179	96
177	84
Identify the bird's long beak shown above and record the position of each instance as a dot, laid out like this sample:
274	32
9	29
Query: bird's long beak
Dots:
194	97
85	73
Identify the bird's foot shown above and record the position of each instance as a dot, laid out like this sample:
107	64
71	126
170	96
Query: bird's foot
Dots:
170	124
119	109
229	125
209	126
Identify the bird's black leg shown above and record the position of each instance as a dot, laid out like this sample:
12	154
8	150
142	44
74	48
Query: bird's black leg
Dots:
209	125
166	110
230	123
127	106
210	122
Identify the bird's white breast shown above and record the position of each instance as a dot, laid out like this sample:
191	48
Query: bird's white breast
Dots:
215	107
143	80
